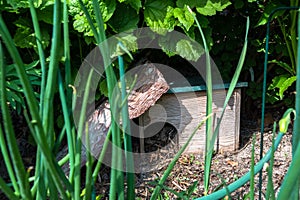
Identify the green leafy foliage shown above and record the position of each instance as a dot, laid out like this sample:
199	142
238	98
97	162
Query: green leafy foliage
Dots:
191	4
25	37
162	26
45	13
127	39
238	4
268	8
284	66
164	16
156	10
189	51
286	47
282	45
126	18
254	90
14	89
212	7
184	17
160	16
22	27
18	3
136	4
80	23
282	82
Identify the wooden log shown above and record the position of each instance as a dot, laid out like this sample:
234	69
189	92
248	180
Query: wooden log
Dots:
148	88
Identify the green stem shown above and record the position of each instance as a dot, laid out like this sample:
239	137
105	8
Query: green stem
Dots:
5	189
290	183
64	104
90	21
209	143
288	45
244	179
296	134
293	31
3	147
38	35
126	133
81	124
10	135
265	87
39	133
270	193
101	156
67	50
88	176
167	172
117	182
52	74
7	162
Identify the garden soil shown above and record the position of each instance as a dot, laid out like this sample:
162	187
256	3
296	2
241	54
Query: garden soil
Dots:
226	166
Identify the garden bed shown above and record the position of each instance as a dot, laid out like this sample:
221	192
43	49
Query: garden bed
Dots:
228	165
190	167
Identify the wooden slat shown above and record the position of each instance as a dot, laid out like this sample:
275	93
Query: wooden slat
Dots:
186	110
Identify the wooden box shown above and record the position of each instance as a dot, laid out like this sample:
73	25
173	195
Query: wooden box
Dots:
185	108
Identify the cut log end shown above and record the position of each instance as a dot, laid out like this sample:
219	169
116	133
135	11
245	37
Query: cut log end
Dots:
150	86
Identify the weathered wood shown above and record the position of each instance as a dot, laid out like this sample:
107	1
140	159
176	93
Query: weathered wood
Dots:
186	110
149	86
148	89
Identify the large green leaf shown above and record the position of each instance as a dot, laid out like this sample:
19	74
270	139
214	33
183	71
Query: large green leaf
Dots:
45	14
187	50
156	10
284	66
124	18
191	3
18	3
272	5
238	4
128	40
173	44
136	4
107	8
25	37
277	81
282	82
213	6
285	85
165	25
184	17
168	44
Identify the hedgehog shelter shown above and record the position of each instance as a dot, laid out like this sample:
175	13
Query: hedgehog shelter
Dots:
183	106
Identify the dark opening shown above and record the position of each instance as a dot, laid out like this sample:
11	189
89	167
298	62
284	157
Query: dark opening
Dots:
157	136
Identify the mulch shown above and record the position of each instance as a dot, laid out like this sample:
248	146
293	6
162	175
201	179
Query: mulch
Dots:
228	166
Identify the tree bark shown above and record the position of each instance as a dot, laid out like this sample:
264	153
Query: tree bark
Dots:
149	86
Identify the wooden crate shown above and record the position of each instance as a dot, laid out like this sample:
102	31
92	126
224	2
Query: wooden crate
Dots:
186	108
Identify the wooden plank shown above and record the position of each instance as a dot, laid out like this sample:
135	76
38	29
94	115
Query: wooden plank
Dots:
186	110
